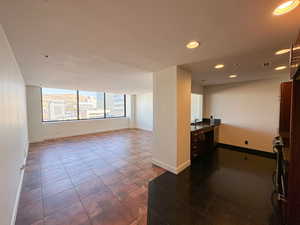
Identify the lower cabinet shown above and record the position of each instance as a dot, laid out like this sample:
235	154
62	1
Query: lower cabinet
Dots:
202	141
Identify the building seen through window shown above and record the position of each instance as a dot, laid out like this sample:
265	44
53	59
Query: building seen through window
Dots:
91	105
61	104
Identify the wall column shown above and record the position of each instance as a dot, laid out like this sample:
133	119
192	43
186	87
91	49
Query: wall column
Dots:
171	119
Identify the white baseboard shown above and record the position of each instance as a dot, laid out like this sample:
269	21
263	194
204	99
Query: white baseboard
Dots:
172	169
144	129
183	166
16	205
164	166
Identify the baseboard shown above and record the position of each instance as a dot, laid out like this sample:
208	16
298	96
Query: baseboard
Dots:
17	200
164	166
248	150
172	169
143	129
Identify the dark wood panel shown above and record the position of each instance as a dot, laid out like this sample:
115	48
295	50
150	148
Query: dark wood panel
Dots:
294	168
202	141
295	59
285	111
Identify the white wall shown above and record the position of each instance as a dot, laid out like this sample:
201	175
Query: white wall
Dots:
13	131
196	107
130	110
171	119
164	153
144	111
249	111
39	131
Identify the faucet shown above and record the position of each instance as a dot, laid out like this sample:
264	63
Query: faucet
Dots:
195	121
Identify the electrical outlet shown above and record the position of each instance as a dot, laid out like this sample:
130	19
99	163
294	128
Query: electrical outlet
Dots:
246	142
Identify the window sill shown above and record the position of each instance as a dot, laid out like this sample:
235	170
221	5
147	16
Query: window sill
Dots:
81	120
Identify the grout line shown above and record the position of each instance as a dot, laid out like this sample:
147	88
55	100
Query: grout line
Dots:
82	205
103	144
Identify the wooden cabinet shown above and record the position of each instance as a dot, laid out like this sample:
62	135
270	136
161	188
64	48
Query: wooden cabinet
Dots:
197	143
295	59
202	141
290	130
285	112
293	195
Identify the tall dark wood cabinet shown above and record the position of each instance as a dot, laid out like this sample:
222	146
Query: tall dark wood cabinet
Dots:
290	131
285	111
293	194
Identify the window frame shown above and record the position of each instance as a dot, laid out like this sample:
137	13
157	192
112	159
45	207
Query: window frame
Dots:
78	110
124	103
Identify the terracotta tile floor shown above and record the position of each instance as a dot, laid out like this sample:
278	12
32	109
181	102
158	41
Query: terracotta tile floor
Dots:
99	179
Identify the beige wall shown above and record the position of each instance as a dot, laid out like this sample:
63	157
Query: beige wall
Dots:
13	131
249	111
197	88
144	111
183	116
39	131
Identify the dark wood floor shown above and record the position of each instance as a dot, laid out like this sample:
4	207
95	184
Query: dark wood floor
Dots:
223	188
93	179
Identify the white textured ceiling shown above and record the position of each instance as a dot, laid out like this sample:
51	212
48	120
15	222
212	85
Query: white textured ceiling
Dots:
115	45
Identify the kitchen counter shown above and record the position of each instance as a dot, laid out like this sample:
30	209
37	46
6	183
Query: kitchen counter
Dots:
205	126
204	136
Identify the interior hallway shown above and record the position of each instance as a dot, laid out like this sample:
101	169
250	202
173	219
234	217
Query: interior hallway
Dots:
91	179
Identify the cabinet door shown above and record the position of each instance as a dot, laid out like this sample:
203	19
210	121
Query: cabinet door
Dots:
294	164
285	112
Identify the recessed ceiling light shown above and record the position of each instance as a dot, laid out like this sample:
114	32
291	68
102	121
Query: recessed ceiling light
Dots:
192	44
232	76
280	68
219	66
286	7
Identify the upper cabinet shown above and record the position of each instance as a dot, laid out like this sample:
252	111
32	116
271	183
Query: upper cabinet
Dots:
295	59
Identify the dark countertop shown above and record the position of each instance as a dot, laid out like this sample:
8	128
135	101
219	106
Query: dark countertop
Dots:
205	126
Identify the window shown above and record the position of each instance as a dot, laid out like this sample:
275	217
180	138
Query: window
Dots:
196	107
91	105
60	105
115	105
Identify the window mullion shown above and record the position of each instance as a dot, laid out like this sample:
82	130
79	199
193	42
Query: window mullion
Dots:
104	105
78	105
124	106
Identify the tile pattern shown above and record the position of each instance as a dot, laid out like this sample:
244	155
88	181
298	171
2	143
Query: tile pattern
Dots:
99	179
224	187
